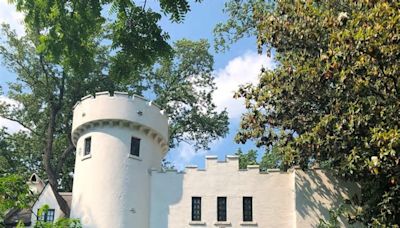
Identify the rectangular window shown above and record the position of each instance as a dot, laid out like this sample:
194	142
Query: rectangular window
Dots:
88	142
221	206
135	146
196	208
46	216
247	209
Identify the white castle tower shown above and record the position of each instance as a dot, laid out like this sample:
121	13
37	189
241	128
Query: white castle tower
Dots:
118	140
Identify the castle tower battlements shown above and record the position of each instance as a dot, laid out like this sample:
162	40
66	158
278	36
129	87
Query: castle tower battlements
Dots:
123	110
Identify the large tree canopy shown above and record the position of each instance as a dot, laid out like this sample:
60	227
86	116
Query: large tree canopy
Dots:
78	47
334	97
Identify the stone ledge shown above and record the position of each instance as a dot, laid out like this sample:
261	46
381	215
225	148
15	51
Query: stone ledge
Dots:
197	223
249	224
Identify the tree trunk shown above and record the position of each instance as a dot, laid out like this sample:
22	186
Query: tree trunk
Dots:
48	150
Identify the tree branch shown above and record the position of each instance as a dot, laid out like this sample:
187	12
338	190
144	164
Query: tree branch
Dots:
144	5
21	123
64	155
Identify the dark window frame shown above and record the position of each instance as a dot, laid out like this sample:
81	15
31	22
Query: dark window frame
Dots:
196	208
47	216
221	209
135	146
247	209
87	146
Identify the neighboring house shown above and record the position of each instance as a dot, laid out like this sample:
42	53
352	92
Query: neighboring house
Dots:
118	182
45	197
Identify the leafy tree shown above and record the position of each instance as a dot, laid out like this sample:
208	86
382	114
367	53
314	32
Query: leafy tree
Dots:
16	155
70	50
271	159
334	97
183	86
245	159
14	194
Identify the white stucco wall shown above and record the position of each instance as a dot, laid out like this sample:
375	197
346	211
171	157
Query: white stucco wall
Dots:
273	196
317	192
280	199
46	197
112	188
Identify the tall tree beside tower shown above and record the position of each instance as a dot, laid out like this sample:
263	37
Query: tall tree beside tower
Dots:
334	96
73	48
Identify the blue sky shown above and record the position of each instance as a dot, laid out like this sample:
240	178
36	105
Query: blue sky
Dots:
239	65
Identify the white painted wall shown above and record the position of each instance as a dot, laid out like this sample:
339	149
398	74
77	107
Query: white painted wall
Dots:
273	196
293	199
317	192
112	188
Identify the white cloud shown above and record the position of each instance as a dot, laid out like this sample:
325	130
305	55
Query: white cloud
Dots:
239	71
184	155
11	126
9	15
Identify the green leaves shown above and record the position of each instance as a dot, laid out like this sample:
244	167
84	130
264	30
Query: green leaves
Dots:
272	159
139	41
245	159
59	223
176	8
183	86
14	194
334	97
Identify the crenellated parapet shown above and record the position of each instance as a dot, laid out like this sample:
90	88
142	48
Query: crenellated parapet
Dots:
230	164
120	110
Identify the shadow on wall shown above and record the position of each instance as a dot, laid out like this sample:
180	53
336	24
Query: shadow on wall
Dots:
84	211
167	189
317	192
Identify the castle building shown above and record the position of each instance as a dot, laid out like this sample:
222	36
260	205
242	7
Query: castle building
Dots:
118	181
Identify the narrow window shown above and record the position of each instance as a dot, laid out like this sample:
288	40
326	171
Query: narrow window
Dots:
47	216
196	208
247	209
88	142
221	206
135	146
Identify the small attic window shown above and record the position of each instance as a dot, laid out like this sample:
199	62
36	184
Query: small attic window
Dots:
34	178
135	146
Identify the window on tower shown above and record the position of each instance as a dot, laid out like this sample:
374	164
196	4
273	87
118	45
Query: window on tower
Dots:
88	142
221	208
135	146
196	208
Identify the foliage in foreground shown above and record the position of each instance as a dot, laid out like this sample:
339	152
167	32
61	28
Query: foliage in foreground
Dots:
14	194
59	223
334	96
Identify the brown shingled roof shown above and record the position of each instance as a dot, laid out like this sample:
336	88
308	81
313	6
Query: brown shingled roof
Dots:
16	215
